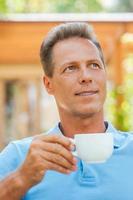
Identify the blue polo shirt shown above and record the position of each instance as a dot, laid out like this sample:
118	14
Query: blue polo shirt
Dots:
112	180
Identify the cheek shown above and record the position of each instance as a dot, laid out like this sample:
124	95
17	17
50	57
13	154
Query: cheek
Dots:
62	89
102	84
104	89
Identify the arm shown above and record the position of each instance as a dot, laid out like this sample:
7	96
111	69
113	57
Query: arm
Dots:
46	152
13	187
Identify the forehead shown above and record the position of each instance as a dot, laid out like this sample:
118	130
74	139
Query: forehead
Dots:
75	49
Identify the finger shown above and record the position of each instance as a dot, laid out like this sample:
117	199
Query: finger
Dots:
53	166
56	139
59	160
54	147
59	150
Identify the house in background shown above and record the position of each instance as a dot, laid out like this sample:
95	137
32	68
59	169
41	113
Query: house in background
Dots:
25	107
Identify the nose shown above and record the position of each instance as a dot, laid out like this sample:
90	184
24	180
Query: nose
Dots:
85	76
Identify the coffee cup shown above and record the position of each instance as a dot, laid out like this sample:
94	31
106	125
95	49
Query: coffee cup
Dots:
93	147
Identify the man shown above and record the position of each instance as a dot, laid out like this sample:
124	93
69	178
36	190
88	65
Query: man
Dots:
43	167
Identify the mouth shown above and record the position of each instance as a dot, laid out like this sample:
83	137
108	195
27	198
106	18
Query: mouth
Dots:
86	93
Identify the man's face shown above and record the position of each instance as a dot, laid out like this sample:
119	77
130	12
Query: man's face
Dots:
79	78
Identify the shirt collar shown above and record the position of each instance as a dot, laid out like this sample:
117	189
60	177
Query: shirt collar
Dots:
116	135
110	129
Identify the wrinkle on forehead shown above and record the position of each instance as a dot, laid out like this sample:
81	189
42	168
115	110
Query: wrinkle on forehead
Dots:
73	45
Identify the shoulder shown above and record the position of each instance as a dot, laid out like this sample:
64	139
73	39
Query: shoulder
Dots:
21	147
124	140
121	138
127	136
13	155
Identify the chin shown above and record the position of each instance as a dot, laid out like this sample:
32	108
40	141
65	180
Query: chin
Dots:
84	114
87	112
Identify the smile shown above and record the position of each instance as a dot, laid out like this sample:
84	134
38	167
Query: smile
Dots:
86	93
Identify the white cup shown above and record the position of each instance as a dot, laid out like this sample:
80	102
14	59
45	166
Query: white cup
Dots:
93	147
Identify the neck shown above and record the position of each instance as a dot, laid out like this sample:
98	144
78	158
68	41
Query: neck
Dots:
74	125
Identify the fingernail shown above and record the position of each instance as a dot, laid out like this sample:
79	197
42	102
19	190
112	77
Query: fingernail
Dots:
74	168
74	160
72	147
68	171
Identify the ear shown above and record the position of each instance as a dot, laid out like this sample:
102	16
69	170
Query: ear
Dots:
48	84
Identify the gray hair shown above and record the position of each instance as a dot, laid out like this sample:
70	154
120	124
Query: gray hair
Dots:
62	32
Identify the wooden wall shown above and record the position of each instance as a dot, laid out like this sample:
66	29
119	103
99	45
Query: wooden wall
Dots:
19	60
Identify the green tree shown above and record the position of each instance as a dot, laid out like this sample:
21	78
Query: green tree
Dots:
123	6
41	6
3	6
77	6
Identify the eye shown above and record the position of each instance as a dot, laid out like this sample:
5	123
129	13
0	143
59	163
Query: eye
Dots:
94	66
70	68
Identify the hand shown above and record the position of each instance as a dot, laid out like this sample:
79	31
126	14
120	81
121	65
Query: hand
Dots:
47	152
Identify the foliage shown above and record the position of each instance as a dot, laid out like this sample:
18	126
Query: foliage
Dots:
3	6
63	6
39	6
122	6
121	115
76	6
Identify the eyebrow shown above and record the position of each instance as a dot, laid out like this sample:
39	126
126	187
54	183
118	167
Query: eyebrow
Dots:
69	63
88	61
95	60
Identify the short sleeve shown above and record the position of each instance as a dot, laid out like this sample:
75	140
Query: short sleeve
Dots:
9	160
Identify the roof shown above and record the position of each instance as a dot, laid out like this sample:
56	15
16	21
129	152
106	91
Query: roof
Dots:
64	17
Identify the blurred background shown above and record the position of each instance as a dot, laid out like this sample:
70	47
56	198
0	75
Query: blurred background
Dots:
25	107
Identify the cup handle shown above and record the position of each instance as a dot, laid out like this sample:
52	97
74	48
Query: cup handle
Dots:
74	152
